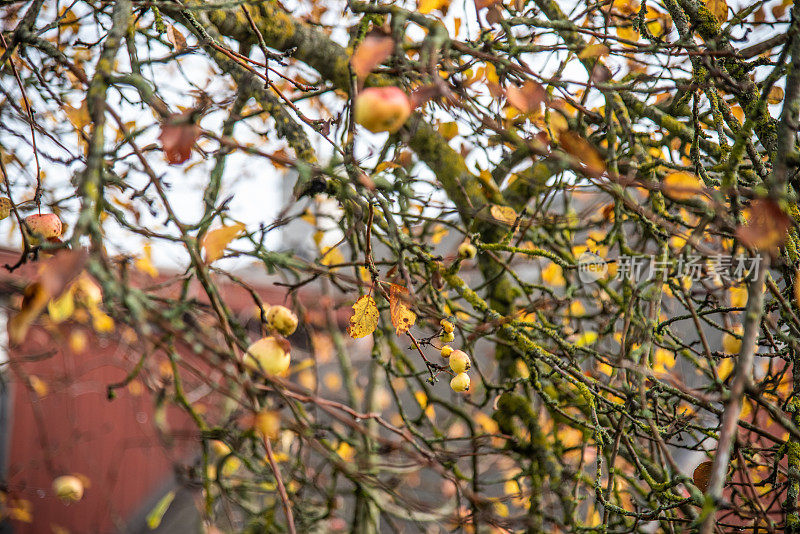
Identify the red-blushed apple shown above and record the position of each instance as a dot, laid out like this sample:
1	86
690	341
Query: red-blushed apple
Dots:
45	225
382	109
68	488
269	354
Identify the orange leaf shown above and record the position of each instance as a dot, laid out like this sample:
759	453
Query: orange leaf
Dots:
371	53
680	185
528	98
402	317
579	148
767	225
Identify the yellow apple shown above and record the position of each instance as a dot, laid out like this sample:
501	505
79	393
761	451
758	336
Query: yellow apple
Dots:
282	319
269	354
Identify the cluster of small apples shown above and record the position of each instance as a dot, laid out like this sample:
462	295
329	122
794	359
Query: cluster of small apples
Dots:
382	109
458	359
271	354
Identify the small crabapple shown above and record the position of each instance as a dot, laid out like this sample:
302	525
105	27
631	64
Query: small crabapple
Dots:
459	361
220	448
282	319
447	326
467	250
460	382
68	488
269	354
446	337
447	350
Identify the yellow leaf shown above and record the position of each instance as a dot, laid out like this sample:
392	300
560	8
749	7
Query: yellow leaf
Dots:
738	296
681	185
215	241
439	233
78	341
587	338
331	257
500	508
62	308
364	319
719	8
100	321
593	50
426	6
38	385
145	264
553	275
345	451
775	95
725	368
504	214
402	317
491	74
627	33
664	361
448	130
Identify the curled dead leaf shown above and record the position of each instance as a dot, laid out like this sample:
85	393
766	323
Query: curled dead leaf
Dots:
402	316
702	474
177	137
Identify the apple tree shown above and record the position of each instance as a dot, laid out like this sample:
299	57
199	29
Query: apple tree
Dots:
562	235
